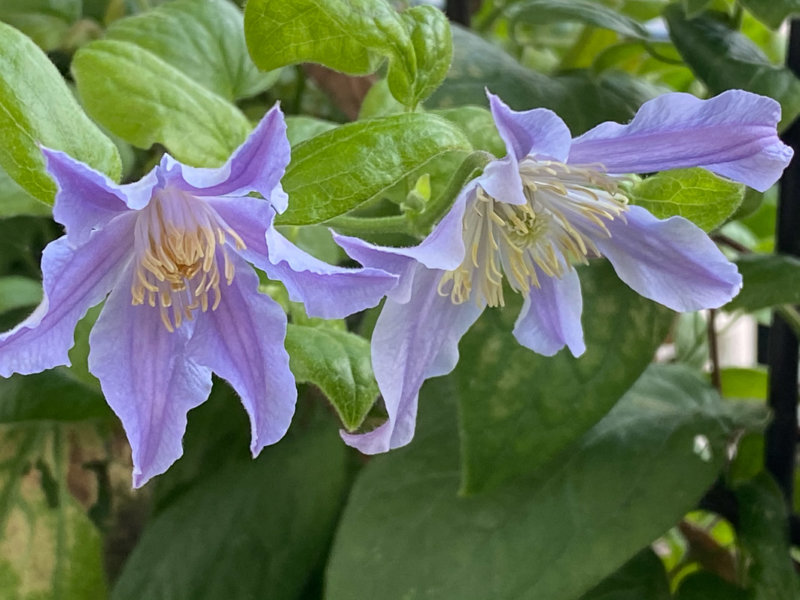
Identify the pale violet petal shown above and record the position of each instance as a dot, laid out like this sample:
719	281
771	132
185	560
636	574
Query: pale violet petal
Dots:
146	379
249	218
539	132
326	291
502	181
672	261
242	341
442	249
412	342
87	199
732	134
551	316
255	166
74	279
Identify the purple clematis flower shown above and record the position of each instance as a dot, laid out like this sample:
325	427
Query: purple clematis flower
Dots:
172	249
550	202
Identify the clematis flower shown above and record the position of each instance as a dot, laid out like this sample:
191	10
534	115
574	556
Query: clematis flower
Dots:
551	202
173	251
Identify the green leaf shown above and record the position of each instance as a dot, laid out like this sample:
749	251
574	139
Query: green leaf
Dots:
642	578
769	280
432	41
350	36
582	98
707	586
203	40
724	59
341	169
763	531
478	125
738	382
144	100
694	194
299	128
252	529
16	201
37	107
50	548
19	292
52	395
545	12
693	8
518	410
772	12
406	534
339	364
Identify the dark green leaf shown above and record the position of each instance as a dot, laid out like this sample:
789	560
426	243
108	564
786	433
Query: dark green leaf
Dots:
518	409
707	586
16	201
339	364
145	100
763	532
51	395
642	578
581	98
406	534
203	40
341	169
37	107
772	12
695	194
252	529
769	280
544	12
693	8
725	59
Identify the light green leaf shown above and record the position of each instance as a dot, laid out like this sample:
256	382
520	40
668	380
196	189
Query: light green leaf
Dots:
299	128
478	125
16	201
694	194
519	409
622	485
769	280
252	529
738	382
350	36
203	40
144	100
432	41
772	12
36	107
19	292
53	395
762	532
339	364
341	169
545	12
724	59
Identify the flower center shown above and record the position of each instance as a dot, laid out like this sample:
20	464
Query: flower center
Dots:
179	246
565	207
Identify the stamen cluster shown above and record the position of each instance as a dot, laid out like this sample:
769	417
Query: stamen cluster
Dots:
180	241
565	206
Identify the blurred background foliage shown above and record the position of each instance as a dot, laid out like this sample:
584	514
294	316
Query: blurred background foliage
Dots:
607	477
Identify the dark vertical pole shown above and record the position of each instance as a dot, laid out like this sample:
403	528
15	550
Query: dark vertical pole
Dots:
458	11
781	435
